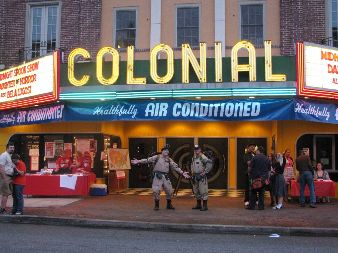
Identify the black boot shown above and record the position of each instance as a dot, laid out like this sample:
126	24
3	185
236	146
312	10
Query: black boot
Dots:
198	204
205	205
157	205
169	205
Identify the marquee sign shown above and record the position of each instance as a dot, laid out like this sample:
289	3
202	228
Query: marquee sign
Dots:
32	83
188	61
317	71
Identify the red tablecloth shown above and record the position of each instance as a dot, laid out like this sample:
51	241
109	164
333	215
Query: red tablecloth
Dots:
49	185
322	188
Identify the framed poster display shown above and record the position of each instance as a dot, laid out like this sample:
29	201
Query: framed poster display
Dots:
118	159
68	148
49	149
58	147
34	163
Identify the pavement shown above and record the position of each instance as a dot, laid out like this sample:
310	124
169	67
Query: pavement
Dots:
225	215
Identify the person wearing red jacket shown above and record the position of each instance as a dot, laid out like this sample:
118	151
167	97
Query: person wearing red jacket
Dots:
87	162
63	164
19	183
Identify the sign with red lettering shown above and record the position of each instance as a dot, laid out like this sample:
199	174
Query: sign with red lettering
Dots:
32	83
317	71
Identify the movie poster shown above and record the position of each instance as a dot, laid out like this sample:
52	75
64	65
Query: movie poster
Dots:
118	159
49	149
58	147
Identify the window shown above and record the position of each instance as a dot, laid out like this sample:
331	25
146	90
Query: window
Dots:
125	28
187	26
43	30
252	23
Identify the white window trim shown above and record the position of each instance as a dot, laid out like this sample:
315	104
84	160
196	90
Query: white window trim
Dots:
220	23
114	23
328	19
155	22
199	20
28	28
248	2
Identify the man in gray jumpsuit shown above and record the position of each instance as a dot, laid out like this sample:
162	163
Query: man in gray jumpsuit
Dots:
162	164
200	166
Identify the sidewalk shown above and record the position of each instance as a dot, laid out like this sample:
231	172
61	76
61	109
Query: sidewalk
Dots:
224	212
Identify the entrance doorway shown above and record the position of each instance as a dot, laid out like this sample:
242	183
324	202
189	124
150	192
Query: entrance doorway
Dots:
139	148
215	148
242	168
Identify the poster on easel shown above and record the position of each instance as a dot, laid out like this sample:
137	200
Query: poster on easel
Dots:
118	159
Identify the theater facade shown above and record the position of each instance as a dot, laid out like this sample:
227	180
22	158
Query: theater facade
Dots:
220	103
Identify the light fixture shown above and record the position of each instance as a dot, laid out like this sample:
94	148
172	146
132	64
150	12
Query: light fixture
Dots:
251	97
198	97
152	98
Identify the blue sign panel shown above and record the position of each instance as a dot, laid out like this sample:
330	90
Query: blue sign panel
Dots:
190	110
30	116
215	110
315	111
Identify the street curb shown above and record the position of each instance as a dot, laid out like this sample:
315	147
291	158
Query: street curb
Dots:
170	227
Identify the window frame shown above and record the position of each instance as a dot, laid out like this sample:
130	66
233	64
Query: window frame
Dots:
177	6
248	2
28	25
333	148
115	10
329	40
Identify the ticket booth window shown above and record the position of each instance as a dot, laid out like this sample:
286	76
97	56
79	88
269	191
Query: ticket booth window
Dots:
324	150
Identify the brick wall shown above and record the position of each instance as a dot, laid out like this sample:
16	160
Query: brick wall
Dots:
80	27
301	20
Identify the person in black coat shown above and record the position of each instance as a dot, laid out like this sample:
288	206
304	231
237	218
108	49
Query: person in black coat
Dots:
259	169
249	154
279	186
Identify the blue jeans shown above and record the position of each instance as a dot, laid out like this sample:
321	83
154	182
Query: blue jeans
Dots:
17	198
306	178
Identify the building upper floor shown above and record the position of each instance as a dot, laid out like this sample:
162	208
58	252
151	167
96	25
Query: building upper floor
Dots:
31	28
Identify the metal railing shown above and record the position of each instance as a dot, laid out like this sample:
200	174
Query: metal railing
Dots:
330	41
27	54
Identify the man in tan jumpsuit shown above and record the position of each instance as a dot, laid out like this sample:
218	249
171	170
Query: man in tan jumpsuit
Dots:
200	166
162	164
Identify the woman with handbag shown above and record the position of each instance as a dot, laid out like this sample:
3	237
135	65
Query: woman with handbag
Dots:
259	173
